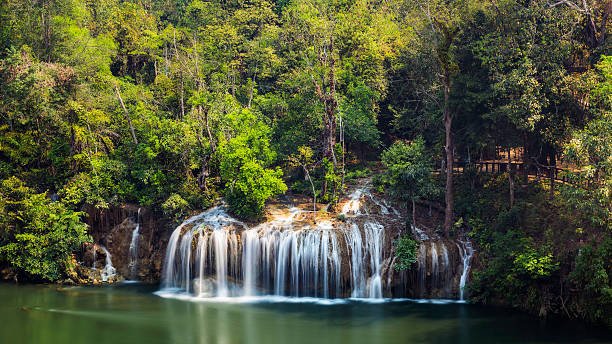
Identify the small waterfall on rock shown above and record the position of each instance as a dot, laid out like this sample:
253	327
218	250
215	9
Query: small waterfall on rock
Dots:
466	251
422	269
108	271
434	265
95	247
354	203
374	242
355	245
133	252
445	271
215	255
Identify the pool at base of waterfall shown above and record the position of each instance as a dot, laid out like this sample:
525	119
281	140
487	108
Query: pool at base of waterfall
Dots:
133	313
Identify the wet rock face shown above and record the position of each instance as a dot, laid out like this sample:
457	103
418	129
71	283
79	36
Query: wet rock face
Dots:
348	255
113	229
436	275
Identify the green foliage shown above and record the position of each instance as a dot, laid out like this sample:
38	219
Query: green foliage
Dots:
245	156
37	235
406	252
332	177
220	95
593	275
359	118
408	173
353	175
535	265
590	193
175	206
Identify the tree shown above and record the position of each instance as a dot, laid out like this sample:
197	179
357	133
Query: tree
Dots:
37	235
441	24
590	191
244	157
304	159
408	173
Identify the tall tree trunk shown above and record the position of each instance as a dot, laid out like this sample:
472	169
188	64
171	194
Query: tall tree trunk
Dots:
326	91
413	215
210	136
553	171
526	159
127	115
448	148
182	97
510	180
342	142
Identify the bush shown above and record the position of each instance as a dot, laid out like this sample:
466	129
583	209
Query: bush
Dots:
37	235
405	252
593	275
244	160
175	206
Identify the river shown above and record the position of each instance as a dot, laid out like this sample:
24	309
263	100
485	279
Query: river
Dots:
134	314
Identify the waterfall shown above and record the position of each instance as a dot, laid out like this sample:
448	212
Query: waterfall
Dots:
355	245
215	255
374	244
466	251
201	254
251	261
354	203
434	265
108	271
422	268
445	271
133	252
94	257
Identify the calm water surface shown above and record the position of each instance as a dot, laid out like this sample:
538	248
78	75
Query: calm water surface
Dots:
133	314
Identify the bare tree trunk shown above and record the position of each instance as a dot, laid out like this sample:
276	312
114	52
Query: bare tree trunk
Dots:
413	215
210	137
553	170
448	148
314	196
233	83
182	97
127	115
342	142
510	180
526	160
327	94
252	88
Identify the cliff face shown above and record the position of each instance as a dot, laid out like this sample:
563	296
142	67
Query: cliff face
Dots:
113	229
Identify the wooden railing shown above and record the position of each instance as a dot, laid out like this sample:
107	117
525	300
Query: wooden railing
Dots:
532	170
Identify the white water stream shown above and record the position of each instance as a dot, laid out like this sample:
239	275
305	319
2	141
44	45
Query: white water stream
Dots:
215	255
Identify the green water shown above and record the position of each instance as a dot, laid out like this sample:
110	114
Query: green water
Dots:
132	314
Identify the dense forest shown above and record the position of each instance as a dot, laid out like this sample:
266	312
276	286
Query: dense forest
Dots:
173	105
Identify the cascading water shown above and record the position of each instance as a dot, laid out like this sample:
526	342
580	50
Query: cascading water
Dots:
466	251
133	251
108	271
215	255
422	268
95	247
434	265
374	244
445	271
355	245
354	203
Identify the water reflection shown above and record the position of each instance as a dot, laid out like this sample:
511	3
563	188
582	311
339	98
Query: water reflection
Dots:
35	314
